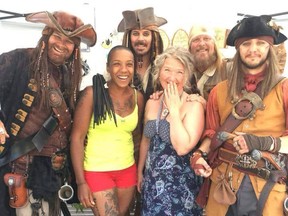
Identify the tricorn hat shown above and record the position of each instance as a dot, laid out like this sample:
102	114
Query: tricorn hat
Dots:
67	24
255	26
140	19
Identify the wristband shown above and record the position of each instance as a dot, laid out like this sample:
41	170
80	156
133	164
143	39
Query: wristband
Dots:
201	153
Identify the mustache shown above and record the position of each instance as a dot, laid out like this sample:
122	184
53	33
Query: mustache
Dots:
140	43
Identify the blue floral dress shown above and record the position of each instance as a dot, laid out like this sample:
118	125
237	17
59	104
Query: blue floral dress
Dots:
170	186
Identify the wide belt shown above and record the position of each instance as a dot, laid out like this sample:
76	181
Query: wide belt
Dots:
244	163
26	145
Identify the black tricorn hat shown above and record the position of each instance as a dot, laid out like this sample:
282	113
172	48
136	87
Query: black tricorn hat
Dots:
256	26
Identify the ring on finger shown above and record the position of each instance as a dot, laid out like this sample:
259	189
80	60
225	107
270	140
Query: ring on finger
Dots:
2	131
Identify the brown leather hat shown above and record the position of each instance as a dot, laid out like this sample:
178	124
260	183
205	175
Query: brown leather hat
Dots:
256	26
67	24
140	19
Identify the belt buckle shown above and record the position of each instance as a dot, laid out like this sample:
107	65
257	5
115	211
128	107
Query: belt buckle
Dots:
263	173
245	161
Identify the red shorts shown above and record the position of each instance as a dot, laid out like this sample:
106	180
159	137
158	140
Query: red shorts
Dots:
99	181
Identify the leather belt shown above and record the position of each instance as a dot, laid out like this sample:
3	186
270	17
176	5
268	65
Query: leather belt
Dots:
244	163
28	144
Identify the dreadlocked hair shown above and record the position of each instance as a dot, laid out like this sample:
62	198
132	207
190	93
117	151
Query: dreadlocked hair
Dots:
236	80
72	74
157	46
102	102
39	62
72	78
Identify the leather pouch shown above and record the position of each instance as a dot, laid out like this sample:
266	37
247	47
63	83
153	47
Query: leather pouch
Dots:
17	189
223	194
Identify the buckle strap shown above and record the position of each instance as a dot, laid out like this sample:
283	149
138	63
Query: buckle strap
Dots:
244	163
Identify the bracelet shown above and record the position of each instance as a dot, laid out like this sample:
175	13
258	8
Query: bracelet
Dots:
201	153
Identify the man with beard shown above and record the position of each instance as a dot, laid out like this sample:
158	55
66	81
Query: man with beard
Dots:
38	91
246	135
142	36
210	67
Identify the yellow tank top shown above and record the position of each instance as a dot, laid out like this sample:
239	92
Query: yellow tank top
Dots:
109	147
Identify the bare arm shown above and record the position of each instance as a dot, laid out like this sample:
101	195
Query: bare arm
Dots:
82	117
186	121
137	133
144	146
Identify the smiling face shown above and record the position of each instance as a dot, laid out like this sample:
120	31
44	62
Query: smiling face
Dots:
60	48
121	66
254	53
172	71
141	41
202	48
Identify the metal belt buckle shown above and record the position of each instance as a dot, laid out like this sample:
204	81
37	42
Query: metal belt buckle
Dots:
263	173
254	99
245	161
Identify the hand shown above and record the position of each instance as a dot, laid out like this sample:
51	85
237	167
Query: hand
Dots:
172	99
3	133
200	166
85	196
205	171
139	182
198	98
249	142
156	95
240	144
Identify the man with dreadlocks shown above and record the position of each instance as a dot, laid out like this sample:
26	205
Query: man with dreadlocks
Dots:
38	90
142	36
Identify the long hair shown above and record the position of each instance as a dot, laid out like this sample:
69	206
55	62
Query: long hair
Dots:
157	46
72	73
236	78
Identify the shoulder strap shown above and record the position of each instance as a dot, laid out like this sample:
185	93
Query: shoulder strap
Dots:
231	123
59	106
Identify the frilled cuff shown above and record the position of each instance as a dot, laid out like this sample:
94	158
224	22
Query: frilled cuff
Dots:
2	116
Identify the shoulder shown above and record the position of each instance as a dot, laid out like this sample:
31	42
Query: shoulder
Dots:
140	100
88	89
192	105
86	93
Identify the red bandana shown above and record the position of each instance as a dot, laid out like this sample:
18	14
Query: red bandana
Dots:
252	80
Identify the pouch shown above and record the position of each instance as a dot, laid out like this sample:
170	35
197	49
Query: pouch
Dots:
223	193
17	189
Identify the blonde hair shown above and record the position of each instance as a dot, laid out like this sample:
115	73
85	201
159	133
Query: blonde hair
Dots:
182	55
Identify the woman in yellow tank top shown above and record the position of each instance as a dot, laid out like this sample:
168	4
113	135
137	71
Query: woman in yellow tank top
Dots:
107	120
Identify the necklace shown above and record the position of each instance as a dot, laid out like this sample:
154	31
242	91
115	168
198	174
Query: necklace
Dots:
165	111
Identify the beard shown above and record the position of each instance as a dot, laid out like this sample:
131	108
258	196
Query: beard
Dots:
202	64
254	66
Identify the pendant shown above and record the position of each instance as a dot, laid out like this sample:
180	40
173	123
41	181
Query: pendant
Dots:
165	112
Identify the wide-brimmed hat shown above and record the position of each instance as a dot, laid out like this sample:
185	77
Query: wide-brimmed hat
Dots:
256	26
140	19
67	24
